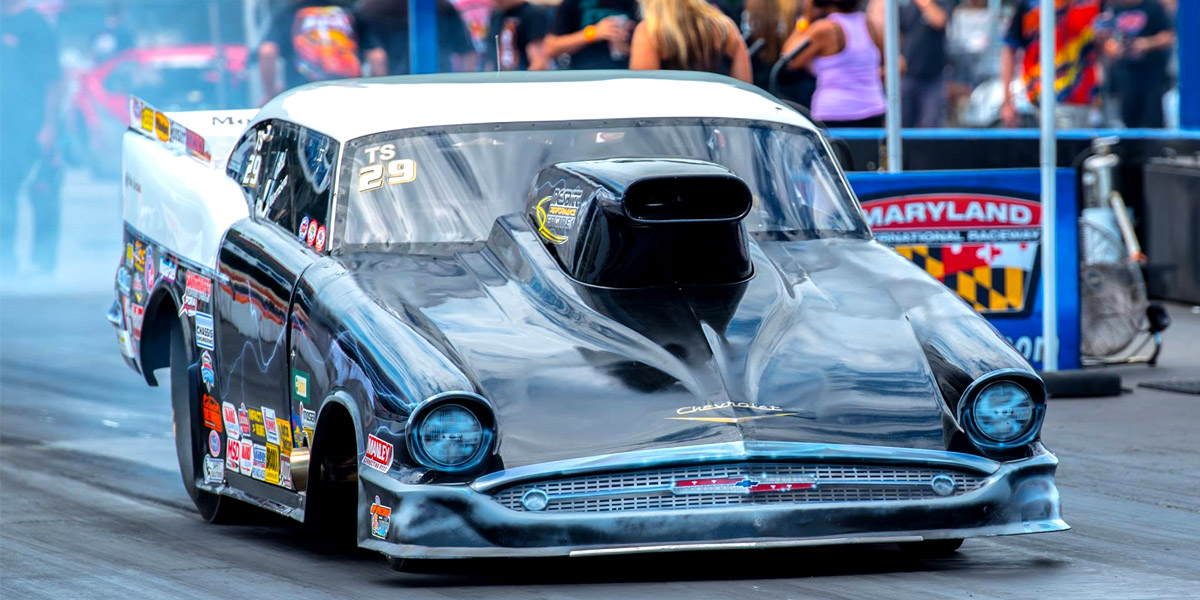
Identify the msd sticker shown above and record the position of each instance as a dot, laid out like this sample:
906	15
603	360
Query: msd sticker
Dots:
233	451
204	331
378	455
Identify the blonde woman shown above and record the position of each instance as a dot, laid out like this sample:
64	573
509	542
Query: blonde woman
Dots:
688	35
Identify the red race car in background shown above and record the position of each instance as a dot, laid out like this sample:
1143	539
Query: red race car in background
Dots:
174	78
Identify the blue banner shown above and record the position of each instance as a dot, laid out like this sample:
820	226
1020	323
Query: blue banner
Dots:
979	233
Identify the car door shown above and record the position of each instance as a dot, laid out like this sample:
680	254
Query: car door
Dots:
260	260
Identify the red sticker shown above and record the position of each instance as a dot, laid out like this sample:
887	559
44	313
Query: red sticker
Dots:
320	243
379	454
312	232
212	413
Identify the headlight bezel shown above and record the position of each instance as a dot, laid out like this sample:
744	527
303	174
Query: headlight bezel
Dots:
1027	381
479	407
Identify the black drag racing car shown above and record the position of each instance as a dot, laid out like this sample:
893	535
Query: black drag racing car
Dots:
600	313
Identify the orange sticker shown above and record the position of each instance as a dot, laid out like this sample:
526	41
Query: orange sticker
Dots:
162	126
212	413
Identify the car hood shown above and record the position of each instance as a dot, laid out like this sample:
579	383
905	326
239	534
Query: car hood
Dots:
829	341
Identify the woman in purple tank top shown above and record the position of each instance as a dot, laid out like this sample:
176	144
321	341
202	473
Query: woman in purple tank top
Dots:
844	54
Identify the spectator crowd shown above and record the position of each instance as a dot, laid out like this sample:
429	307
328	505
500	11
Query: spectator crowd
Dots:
1113	61
833	50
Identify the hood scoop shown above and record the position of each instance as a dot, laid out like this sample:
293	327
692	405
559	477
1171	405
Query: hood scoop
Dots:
636	223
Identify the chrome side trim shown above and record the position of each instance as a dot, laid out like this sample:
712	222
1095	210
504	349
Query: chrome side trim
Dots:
737	452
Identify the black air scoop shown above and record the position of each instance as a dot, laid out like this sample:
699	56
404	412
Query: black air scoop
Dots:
628	223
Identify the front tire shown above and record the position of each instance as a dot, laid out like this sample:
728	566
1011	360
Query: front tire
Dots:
189	440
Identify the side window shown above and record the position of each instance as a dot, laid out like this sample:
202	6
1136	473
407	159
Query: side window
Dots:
259	165
313	170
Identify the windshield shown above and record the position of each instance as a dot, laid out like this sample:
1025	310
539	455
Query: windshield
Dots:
450	185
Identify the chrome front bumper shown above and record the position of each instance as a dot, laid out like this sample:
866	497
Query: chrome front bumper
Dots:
447	521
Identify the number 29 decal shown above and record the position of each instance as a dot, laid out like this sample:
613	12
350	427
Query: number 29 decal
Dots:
373	177
384	168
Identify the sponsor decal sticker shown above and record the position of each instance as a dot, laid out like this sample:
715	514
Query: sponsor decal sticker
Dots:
167	268
319	245
244	419
149	268
285	472
187	306
285	436
300	386
555	214
259	462
304	228
381	519
204	331
272	464
129	255
311	236
198	286
206	370
137	289
378	455
256	423
233	450
147	120
137	313
229	417
214	443
245	464
271	425
214	470
212	413
162	126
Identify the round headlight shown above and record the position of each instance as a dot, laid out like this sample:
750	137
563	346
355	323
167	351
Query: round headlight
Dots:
1003	411
451	436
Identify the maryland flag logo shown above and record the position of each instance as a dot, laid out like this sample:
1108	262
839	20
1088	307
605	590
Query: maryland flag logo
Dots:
982	247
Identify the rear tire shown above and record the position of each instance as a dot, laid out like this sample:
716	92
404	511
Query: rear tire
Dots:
932	548
190	445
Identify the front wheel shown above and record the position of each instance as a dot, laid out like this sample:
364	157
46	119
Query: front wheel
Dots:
190	441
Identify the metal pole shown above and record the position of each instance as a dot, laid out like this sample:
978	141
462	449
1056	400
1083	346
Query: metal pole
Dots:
422	37
214	31
994	32
1187	42
1047	44
891	62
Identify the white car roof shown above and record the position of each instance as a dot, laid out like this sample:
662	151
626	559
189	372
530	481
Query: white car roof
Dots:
351	108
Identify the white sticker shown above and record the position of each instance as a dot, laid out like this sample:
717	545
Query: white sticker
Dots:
204	331
214	470
271	425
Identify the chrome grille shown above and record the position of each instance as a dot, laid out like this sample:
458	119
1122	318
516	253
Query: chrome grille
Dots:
652	489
